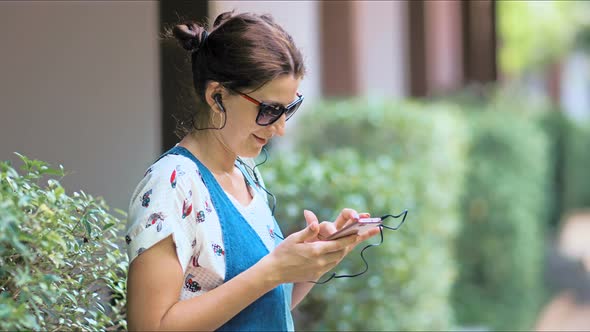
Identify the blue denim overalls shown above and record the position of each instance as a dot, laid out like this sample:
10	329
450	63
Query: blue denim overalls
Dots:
244	248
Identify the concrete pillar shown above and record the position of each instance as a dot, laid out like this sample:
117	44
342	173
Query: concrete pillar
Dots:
381	47
339	39
443	46
479	32
451	44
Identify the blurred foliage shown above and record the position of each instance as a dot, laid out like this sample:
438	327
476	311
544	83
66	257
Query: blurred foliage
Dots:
556	126
583	37
501	246
501	157
568	139
378	156
60	267
577	167
536	33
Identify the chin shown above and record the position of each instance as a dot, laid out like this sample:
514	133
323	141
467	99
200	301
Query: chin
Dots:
250	153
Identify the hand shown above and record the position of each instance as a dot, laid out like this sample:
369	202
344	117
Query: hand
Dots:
302	257
296	259
345	217
328	228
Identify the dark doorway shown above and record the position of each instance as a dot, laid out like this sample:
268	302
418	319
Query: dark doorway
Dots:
175	71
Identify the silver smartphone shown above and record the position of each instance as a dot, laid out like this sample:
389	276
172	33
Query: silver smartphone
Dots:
356	227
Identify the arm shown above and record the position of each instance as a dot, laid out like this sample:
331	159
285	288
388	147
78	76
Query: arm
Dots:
300	290
155	281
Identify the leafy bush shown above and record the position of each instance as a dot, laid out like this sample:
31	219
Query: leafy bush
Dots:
556	126
58	256
569	161
576	167
501	246
378	156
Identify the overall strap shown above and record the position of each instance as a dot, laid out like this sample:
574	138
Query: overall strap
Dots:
249	174
243	248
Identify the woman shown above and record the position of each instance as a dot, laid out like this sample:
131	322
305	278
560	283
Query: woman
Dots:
205	251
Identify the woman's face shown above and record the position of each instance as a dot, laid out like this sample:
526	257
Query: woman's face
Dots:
241	132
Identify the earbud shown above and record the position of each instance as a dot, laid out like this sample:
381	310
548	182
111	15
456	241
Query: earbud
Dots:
217	98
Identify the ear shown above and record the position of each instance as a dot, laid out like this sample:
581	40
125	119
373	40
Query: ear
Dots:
214	89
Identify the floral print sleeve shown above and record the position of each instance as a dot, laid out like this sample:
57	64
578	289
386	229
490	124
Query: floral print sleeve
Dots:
162	205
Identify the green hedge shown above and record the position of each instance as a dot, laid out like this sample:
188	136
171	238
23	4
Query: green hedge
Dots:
60	266
576	169
378	156
569	161
505	210
556	126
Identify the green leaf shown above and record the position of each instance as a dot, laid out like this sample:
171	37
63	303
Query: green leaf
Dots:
52	278
71	298
87	226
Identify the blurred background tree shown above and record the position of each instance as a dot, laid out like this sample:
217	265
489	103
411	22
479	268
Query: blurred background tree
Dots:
533	34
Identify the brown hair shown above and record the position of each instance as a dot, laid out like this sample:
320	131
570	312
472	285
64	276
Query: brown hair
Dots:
242	52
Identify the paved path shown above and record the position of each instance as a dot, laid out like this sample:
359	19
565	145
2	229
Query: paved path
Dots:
569	310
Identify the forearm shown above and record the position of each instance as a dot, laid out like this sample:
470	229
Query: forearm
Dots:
300	290
214	308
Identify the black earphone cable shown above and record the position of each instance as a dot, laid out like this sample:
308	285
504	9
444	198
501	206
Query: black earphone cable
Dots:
337	276
258	182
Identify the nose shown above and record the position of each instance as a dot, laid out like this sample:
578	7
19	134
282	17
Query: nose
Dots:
278	127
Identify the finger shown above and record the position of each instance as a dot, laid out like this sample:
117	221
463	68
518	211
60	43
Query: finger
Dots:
362	237
361	215
336	245
310	217
364	215
326	229
308	232
368	234
345	215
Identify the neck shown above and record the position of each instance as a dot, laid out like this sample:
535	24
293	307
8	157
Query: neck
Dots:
209	148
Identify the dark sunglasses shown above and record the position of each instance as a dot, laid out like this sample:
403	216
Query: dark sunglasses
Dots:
269	114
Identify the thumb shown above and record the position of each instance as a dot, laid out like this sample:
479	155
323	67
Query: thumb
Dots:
311	230
310	217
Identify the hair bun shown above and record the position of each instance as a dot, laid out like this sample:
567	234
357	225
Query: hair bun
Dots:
222	18
190	36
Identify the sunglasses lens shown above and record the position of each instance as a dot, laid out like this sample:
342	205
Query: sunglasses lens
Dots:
291	110
268	114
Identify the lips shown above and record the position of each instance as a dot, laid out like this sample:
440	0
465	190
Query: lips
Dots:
260	139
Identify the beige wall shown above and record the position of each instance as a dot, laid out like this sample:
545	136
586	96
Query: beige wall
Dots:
79	86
